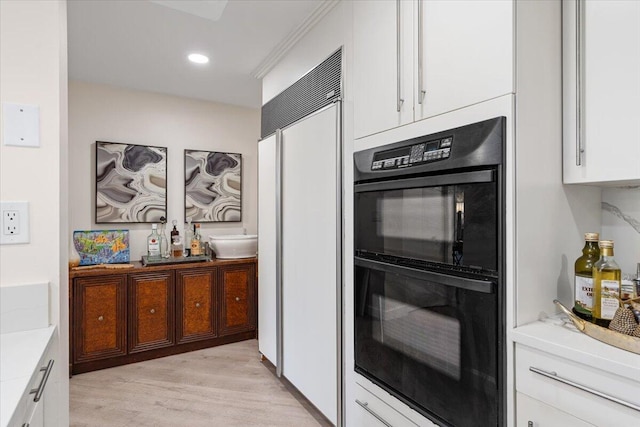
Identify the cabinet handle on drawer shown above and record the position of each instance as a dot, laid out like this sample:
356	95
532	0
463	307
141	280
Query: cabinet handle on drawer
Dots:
365	406
153	310
237	298
43	382
197	304
100	318
555	376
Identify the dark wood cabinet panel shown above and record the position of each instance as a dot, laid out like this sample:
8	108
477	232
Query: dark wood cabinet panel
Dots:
238	311
100	316
151	311
195	305
143	313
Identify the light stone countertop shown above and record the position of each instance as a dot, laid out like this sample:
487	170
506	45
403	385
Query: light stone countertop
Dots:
20	355
557	335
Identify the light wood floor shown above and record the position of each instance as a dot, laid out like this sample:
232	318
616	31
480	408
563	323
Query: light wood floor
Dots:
219	386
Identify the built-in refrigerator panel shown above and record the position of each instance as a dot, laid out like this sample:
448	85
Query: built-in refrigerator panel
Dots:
309	257
267	248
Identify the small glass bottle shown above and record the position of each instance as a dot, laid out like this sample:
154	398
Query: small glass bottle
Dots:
175	231
153	243
583	276
606	285
196	242
164	242
188	236
177	247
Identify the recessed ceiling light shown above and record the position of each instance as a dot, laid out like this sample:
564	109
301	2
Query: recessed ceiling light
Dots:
198	58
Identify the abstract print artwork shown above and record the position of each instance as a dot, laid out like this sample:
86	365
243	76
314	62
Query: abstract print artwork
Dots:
212	186
131	183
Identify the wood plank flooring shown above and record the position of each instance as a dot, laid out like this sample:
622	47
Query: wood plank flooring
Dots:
221	386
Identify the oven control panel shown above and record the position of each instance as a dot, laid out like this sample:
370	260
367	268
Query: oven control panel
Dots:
424	152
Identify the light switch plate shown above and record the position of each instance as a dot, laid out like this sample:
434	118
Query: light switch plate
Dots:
14	220
21	125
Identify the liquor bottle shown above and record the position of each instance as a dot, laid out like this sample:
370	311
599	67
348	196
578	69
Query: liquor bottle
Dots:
175	231
188	236
164	243
196	242
583	276
177	247
606	285
153	243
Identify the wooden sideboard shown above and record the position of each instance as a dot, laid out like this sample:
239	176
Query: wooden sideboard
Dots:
124	316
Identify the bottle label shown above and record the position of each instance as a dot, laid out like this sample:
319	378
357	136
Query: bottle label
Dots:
154	247
609	301
584	292
195	247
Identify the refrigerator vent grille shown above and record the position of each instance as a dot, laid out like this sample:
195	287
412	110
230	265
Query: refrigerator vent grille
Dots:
316	89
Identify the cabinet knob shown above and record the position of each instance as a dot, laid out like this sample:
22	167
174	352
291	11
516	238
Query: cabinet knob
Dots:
153	310
197	304
101	318
237	298
530	424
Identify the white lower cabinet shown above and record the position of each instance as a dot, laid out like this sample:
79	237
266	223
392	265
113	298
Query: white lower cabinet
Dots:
554	391
533	413
370	411
39	401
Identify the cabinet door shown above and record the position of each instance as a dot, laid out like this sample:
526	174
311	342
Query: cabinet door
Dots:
195	304
533	413
99	327
151	311
238	306
377	85
601	91
465	49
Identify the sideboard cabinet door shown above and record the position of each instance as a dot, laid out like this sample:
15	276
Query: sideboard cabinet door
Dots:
151	311
195	304
238	308
99	318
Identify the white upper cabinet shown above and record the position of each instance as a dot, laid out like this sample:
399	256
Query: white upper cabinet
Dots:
465	48
418	59
601	81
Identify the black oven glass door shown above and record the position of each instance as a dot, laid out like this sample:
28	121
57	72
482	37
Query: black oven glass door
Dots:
446	219
431	344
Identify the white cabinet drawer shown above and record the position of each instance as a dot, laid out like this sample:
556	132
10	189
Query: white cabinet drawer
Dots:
533	413
369	408
582	391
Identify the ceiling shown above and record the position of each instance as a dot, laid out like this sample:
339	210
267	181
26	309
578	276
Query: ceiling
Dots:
141	44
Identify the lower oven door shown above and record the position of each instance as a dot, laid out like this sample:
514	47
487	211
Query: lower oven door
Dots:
431	340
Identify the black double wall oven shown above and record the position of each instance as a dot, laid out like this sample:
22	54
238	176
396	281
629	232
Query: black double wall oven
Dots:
429	272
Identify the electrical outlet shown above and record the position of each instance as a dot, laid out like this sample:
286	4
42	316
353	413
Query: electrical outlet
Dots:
15	222
10	222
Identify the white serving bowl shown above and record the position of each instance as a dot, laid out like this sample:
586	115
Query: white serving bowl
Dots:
234	246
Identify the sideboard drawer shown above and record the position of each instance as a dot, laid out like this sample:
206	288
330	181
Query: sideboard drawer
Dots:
593	395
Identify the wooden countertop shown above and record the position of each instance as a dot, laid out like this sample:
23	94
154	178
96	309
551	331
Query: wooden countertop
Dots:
139	268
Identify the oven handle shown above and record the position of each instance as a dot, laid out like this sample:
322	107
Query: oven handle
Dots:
486	287
476	177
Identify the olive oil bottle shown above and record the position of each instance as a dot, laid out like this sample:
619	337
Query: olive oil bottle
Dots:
606	285
583	276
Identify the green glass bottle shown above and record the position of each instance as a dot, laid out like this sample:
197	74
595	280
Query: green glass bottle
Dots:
606	286
583	276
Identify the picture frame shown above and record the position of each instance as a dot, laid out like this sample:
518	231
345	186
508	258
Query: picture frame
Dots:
130	183
213	186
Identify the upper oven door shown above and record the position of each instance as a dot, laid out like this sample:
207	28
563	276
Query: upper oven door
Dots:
450	220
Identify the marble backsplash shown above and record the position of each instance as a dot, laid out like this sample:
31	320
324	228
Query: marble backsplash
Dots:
621	223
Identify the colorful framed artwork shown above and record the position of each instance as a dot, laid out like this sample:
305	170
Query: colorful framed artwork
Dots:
102	246
131	183
213	186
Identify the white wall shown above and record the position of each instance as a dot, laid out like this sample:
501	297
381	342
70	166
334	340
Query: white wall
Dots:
33	70
621	223
106	113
